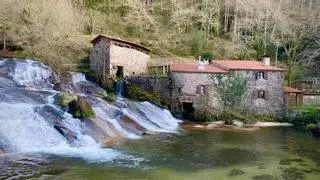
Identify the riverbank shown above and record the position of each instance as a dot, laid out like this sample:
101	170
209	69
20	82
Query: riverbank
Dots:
237	126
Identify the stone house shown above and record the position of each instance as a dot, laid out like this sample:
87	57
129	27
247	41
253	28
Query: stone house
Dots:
112	56
203	88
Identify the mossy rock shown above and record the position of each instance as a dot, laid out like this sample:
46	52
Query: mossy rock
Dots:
80	108
64	99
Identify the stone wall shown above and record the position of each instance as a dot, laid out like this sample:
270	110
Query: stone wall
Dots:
99	57
105	54
185	88
158	85
274	103
133	61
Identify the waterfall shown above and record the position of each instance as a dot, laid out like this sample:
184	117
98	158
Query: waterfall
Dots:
120	88
30	120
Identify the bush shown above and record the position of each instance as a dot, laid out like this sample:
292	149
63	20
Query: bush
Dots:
306	117
229	115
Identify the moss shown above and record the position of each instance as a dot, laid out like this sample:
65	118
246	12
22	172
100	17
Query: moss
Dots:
64	99
80	109
228	115
139	94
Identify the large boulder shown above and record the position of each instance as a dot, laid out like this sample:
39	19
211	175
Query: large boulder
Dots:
237	123
55	117
63	99
80	108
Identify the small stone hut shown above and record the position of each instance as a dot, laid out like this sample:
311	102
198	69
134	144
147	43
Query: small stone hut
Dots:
196	85
112	56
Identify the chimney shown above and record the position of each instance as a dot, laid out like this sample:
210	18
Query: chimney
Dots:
266	60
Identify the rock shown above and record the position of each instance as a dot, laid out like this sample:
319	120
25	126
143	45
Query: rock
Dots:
237	123
63	99
80	108
55	117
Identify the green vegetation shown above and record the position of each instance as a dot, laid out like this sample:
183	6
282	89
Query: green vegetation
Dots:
231	88
59	32
229	115
136	93
80	109
64	99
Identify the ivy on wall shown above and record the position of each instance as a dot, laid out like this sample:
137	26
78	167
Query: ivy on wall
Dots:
231	88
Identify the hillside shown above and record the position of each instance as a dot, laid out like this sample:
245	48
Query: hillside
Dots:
60	31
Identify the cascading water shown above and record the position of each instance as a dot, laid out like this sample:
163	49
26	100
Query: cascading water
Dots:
31	122
120	88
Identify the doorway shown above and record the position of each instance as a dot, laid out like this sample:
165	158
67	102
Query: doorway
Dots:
119	72
188	111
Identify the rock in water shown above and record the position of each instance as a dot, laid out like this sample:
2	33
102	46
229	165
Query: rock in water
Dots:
80	108
237	123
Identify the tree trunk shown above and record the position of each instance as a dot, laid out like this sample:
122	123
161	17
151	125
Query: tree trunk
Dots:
289	76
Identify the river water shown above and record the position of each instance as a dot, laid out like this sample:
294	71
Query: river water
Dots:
128	139
268	153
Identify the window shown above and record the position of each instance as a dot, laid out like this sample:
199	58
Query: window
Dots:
261	75
261	94
201	89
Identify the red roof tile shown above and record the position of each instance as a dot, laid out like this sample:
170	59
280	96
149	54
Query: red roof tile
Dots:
193	67
244	65
288	89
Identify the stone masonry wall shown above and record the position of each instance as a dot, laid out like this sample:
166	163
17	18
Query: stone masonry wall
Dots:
158	85
185	87
274	103
99	57
134	62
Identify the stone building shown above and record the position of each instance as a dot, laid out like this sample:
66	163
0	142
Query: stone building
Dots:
112	56
202	88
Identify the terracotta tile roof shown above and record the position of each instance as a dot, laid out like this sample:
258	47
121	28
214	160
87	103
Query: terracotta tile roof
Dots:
97	39
288	89
244	65
193	67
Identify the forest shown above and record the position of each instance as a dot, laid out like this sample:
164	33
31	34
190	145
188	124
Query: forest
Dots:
59	31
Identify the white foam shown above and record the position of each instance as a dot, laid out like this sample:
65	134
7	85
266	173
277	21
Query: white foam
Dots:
78	77
30	72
